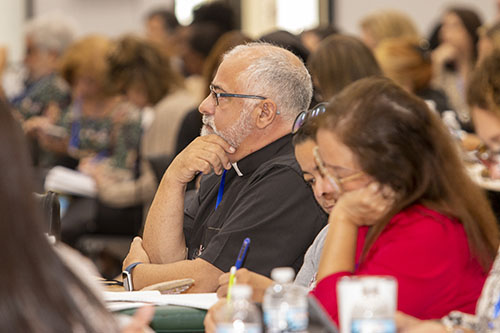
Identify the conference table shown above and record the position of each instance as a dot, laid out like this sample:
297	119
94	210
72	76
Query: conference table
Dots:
173	318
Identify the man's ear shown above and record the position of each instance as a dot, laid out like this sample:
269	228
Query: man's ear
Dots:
266	112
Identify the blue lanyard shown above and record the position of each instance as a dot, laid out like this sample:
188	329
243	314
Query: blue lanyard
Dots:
221	189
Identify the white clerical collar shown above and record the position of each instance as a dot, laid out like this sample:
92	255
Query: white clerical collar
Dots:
235	167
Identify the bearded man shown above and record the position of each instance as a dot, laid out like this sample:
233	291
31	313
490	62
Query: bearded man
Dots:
251	186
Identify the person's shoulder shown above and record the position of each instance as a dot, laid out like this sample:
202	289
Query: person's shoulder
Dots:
424	219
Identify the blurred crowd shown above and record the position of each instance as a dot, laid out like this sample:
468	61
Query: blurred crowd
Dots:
120	109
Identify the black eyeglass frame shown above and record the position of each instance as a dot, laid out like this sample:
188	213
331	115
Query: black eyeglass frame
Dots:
305	115
218	95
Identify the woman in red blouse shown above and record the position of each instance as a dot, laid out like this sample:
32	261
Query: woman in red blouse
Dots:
405	205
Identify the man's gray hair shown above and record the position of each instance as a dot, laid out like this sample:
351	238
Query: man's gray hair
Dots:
51	32
272	73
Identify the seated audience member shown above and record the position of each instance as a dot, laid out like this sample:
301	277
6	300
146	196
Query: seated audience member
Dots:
102	128
483	96
44	92
312	37
141	72
46	38
455	57
409	209
338	61
161	26
387	24
287	40
256	94
409	64
45	290
489	40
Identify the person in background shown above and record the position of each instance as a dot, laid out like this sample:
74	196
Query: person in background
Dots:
44	290
101	128
161	27
455	57
409	64
44	92
483	96
142	72
312	37
409	209
489	40
338	61
386	24
46	39
287	40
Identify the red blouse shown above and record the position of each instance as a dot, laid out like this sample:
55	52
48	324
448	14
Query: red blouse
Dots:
428	254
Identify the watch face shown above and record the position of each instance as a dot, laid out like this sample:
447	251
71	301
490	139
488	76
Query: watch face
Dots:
127	281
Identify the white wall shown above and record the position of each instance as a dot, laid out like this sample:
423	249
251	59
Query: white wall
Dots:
425	13
11	28
109	17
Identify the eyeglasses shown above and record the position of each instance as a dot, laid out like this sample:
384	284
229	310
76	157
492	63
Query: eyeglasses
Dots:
304	115
218	95
336	182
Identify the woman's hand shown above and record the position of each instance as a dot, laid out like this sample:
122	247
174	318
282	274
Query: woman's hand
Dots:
364	206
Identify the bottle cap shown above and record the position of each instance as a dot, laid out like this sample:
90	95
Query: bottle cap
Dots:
283	274
239	291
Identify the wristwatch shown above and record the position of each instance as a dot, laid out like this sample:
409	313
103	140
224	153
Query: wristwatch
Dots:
127	276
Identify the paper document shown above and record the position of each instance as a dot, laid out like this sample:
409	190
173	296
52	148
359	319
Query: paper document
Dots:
67	181
116	300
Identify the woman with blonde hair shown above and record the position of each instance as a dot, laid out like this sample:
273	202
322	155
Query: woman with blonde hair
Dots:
387	24
408	63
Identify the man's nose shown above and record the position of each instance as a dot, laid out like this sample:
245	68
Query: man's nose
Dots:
207	106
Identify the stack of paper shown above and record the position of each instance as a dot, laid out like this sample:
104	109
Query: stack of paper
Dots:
67	181
116	301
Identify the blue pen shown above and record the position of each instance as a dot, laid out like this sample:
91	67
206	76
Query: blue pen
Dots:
239	262
243	253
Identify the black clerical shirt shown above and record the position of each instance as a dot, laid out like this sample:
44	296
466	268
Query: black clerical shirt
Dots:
268	201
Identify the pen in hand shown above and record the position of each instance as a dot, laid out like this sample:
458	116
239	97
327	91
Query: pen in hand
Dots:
239	263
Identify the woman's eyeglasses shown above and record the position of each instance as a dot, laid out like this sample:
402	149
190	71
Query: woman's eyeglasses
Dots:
305	115
336	182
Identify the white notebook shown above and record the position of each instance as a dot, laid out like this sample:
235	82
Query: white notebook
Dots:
130	299
67	181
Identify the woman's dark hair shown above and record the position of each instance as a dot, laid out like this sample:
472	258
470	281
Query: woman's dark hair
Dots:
39	292
339	61
134	60
306	132
401	143
471	21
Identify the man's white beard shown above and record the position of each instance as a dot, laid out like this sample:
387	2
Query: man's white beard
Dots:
235	134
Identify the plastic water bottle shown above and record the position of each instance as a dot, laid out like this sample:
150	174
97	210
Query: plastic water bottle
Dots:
285	304
371	314
239	315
